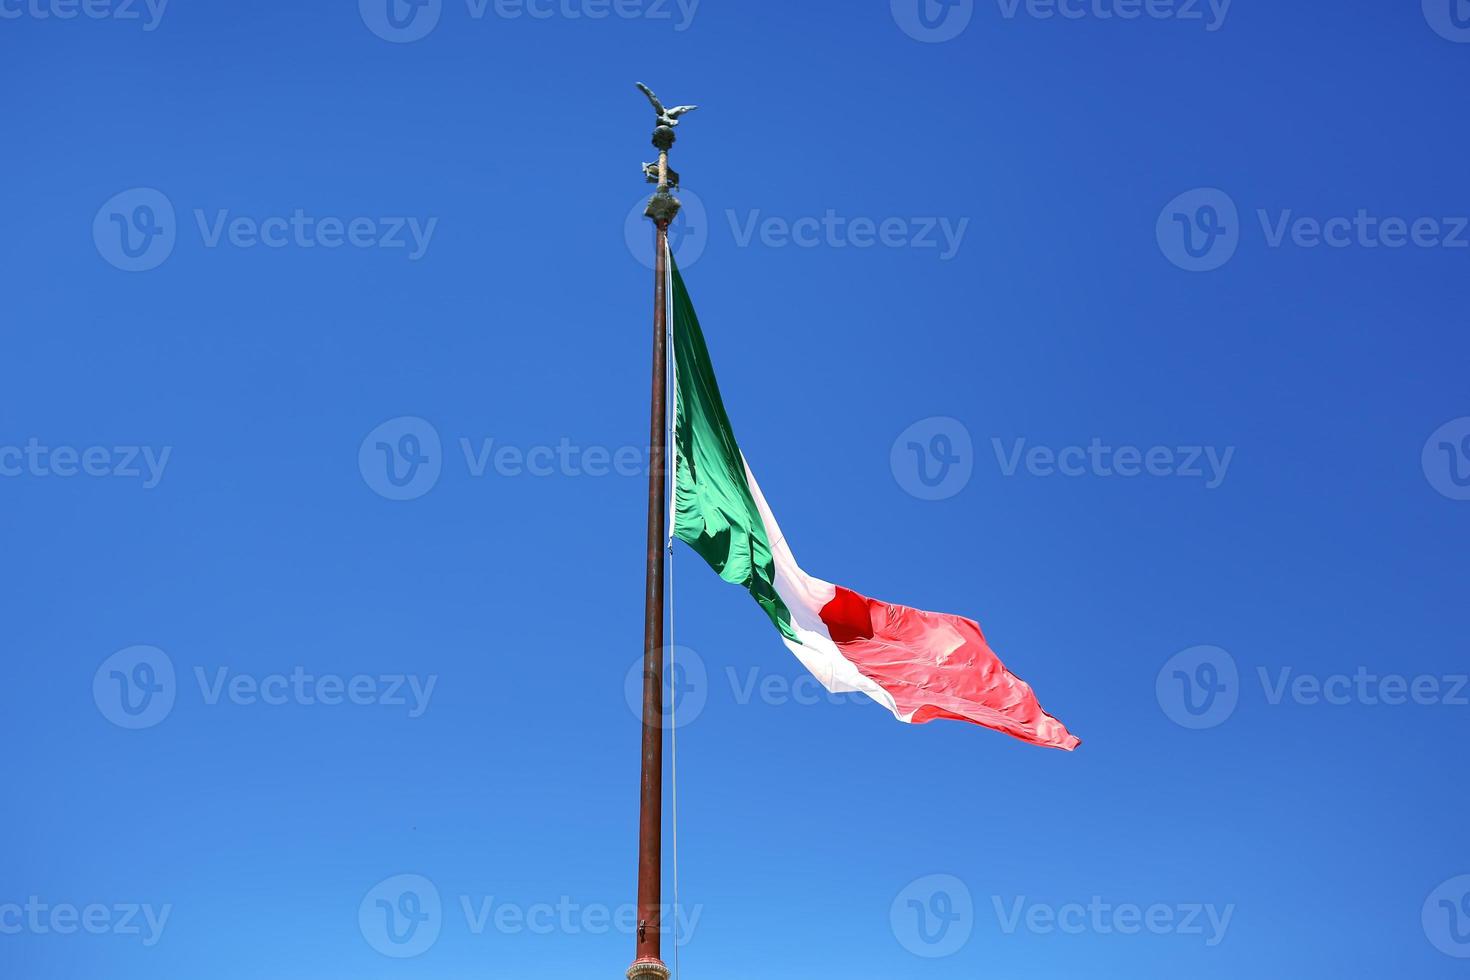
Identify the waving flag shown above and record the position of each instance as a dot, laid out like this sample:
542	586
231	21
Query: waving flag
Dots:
919	665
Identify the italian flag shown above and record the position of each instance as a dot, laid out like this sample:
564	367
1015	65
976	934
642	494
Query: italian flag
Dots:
919	665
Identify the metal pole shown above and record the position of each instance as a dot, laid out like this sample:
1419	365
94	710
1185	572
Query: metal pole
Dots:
648	963
650	800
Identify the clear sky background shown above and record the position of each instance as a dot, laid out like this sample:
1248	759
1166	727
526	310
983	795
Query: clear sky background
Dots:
1328	381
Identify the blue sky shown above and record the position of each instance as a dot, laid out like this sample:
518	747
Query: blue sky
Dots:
1169	295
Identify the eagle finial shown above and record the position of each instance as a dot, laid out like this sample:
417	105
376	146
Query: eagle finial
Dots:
666	117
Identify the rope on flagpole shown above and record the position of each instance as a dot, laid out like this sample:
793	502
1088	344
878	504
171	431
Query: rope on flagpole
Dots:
672	401
674	758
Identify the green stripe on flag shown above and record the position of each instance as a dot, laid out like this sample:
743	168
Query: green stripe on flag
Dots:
714	512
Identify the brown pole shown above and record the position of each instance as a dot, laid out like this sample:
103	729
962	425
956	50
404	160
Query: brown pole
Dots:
647	962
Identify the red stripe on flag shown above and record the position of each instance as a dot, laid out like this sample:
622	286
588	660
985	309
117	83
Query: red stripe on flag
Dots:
938	666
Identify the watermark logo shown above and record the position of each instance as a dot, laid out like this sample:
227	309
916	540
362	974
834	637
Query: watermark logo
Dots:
1449	18
1446	917
401	21
689	687
1446	459
401	916
933	21
934	458
401	459
1199	688
686	687
1199	230
135	687
404	916
136	230
933	916
688	233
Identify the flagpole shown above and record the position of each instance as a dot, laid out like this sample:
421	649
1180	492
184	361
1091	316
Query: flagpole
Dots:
648	962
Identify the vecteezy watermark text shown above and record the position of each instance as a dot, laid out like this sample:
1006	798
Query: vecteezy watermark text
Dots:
934	21
690	232
1101	917
934	916
403	458
403	916
566	458
137	687
1210	13
149	13
36	459
1098	459
39	918
1363	686
405	21
567	917
934	458
1200	230
301	230
137	230
1201	687
304	688
688	686
832	230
